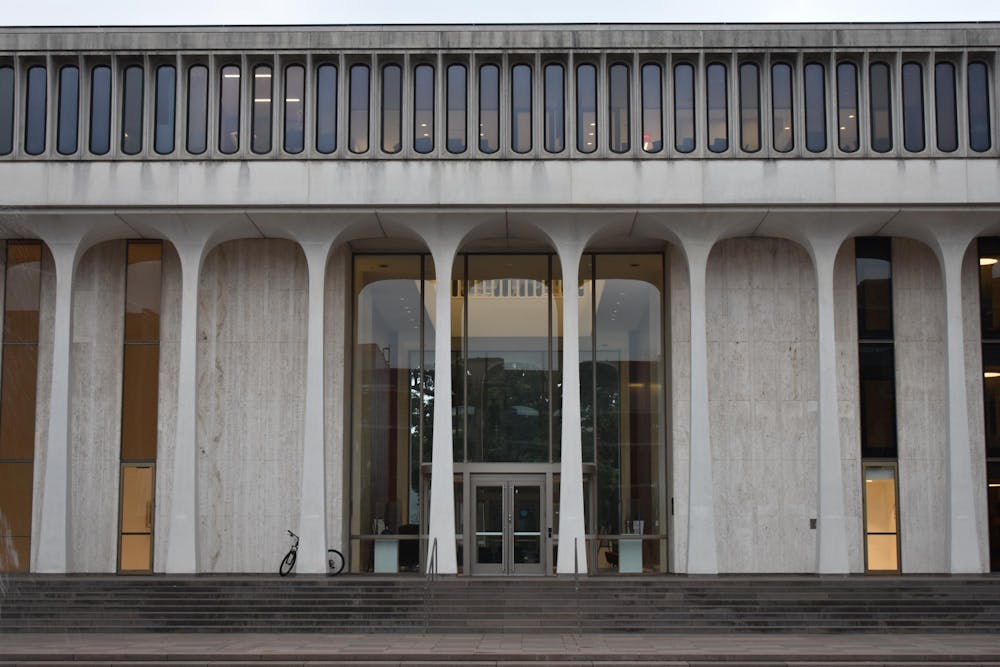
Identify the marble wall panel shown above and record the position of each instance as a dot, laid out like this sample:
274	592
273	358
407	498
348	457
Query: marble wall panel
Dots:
251	389
762	398
337	392
46	322
679	444
95	407
166	445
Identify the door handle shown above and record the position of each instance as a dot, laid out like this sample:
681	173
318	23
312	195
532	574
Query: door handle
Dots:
550	532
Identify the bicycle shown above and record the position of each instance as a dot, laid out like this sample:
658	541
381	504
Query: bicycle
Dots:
334	559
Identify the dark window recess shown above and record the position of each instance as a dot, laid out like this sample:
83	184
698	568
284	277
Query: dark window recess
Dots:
166	102
880	90
100	110
326	108
555	108
357	121
619	111
979	107
815	98
229	110
749	108
944	107
423	108
848	138
993	500
197	109
991	397
260	110
989	287
6	110
34	116
781	107
69	109
489	108
520	108
392	109
684	108
456	129
876	363
132	110
874	277
295	109
913	107
652	108
586	108
717	108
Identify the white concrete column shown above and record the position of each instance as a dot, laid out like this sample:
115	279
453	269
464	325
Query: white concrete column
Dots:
701	556
571	525
53	531
182	530
442	507
831	539
312	508
964	554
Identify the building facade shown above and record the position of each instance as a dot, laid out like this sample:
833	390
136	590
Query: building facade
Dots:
504	300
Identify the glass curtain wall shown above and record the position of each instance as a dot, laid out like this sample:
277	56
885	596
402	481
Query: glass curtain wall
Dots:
989	305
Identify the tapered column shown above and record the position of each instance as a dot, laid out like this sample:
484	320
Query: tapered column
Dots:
964	554
182	528
312	507
53	532
701	554
571	526
831	538
442	508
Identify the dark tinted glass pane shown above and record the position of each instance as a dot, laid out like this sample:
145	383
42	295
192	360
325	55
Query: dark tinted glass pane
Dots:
100	110
6	110
489	108
34	121
17	408
881	107
326	108
357	120
260	112
749	108
229	110
392	108
873	267
555	112
913	107
876	364
847	108
142	292
993	500
989	286
139	400
652	108
991	396
15	504
717	103
944	107
197	109
586	108
684	108
295	108
423	108
132	110
815	94
520	108
69	109
22	292
781	107
619	127
457	98
979	107
166	102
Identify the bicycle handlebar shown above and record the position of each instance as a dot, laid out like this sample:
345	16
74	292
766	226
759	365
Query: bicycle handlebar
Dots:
292	534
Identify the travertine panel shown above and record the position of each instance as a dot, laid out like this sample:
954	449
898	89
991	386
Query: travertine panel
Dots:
337	392
921	406
95	407
251	389
762	355
46	322
170	322
679	321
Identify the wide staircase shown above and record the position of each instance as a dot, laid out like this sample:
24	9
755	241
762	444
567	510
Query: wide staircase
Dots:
345	604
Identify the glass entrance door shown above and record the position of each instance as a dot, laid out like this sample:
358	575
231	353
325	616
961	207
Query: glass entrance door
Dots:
508	524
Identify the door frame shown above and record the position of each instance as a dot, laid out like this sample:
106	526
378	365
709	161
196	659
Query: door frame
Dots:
508	483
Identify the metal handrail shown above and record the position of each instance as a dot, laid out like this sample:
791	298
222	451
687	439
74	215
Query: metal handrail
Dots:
431	576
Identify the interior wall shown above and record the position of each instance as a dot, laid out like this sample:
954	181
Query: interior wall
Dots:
251	390
763	393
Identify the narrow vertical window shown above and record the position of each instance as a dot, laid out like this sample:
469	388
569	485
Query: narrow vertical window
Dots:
229	110
326	109
489	108
456	121
652	108
140	398
979	107
749	108
34	117
815	98
357	120
913	107
848	138
100	110
881	518
717	108
555	108
945	107
392	109
586	108
684	107
6	110
260	117
619	109
69	109
782	121
423	108
520	108
132	102
166	104
880	92
197	109
295	108
18	390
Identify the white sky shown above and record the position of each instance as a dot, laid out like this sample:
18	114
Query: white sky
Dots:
258	12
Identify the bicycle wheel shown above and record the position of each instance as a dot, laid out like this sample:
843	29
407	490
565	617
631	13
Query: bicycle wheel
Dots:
286	565
334	562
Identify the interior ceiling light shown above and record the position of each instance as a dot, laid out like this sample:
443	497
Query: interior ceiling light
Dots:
991	374
987	261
